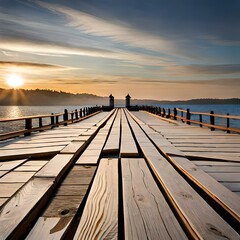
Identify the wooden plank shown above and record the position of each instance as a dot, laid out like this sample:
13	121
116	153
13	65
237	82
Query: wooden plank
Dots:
233	186
59	214
33	168
8	189
146	212
214	163
63	206
213	145
19	209
72	190
74	147
207	149
213	156
92	153
128	146
16	177
113	141
2	201
49	228
223	169
22	146
37	152
226	177
216	191
35	163
2	173
80	174
56	167
200	220
10	165
100	215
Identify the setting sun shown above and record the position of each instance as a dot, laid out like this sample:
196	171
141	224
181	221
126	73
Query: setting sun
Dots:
14	80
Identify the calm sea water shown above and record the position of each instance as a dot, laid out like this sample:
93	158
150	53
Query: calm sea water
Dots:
20	111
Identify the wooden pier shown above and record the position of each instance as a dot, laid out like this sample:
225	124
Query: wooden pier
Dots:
121	175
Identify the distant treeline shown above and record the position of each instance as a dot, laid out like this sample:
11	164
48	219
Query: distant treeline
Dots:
47	97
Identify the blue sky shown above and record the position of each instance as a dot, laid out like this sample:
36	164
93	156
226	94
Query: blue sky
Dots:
158	49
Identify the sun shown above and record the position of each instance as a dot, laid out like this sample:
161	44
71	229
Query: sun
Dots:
14	80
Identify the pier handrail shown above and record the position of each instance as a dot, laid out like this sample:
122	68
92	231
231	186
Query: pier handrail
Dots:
68	117
173	113
210	114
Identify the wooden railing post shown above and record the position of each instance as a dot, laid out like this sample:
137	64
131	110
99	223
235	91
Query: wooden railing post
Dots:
182	116
163	112
200	119
188	116
76	114
28	126
57	119
80	113
228	123
212	120
65	117
52	120
72	116
175	113
160	111
40	122
169	113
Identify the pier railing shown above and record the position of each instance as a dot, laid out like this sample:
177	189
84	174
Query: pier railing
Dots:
44	122
210	120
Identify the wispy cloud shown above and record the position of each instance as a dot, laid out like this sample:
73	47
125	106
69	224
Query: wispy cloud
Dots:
204	69
117	31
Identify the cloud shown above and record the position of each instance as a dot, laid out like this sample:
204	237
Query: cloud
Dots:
204	69
117	31
6	64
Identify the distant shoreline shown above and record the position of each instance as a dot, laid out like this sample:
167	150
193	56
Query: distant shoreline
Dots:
21	97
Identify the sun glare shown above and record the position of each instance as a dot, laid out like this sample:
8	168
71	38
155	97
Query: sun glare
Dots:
14	80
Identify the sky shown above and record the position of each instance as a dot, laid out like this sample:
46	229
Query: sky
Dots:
155	49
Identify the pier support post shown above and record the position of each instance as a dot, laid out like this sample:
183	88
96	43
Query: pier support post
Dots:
212	120
188	116
28	126
80	113
65	117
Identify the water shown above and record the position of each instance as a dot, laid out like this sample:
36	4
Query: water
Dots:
20	111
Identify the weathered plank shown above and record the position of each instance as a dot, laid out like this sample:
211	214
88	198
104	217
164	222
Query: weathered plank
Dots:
10	165
58	215
200	220
24	153
112	144
92	153
8	189
146	212
74	147
56	167
222	169
16	177
128	146
100	216
19	209
214	163
226	177
49	228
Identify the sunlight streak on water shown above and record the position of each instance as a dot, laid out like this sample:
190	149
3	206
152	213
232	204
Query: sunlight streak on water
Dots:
14	112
